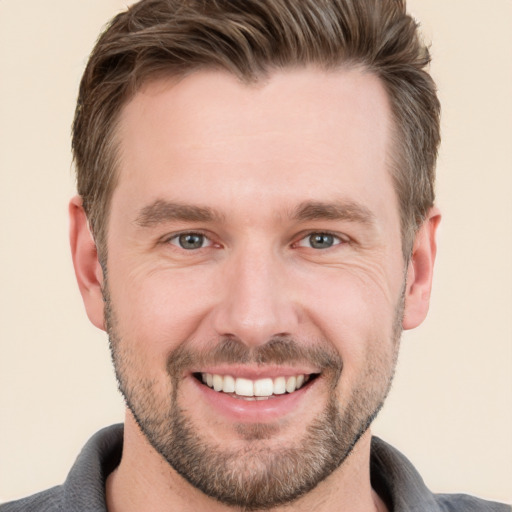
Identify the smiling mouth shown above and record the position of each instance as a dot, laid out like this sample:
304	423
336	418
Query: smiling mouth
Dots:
260	389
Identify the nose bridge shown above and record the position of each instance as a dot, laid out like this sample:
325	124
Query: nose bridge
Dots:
256	303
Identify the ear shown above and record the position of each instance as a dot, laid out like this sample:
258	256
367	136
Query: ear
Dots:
420	271
88	271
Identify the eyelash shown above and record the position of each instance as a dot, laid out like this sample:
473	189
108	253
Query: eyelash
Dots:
338	240
170	239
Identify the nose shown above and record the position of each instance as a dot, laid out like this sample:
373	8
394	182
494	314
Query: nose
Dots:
257	299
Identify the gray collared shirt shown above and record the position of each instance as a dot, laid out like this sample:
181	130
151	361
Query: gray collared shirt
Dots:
393	477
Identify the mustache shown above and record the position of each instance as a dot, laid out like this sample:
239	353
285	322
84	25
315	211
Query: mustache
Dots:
278	350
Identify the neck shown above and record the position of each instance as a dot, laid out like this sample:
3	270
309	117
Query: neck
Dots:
145	481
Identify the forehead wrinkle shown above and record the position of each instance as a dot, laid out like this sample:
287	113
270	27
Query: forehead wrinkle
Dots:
161	211
338	210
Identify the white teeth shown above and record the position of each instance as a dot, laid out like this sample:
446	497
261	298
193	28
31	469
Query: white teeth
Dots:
261	389
229	384
279	386
291	384
244	387
217	382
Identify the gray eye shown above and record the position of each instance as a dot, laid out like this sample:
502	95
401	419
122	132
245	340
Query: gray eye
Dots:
191	241
321	240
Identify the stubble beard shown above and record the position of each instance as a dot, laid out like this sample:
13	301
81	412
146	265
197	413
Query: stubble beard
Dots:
254	477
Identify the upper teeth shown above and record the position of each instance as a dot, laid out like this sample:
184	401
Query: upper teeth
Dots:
247	387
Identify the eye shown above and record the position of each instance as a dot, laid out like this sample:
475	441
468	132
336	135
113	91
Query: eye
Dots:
190	241
320	241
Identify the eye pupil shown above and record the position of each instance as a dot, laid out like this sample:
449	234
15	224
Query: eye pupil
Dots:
321	240
191	241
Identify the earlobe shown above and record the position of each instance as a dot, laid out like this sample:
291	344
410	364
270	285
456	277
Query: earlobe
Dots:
420	271
88	270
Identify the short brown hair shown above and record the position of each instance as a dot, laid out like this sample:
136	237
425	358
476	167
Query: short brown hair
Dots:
250	38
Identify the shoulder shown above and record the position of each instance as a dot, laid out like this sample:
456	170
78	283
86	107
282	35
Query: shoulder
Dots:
400	485
46	501
84	488
466	503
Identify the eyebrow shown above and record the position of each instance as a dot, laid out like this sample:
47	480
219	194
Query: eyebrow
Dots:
162	211
341	210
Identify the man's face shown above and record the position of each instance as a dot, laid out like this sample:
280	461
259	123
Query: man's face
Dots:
254	249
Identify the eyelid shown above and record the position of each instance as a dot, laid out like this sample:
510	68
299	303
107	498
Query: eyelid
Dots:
341	238
168	239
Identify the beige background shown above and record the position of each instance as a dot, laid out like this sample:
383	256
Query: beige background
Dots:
451	407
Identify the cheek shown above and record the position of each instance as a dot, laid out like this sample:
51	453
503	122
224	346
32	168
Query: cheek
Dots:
157	311
355	309
353	295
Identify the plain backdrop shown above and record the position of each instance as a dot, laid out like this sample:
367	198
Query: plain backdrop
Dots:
450	410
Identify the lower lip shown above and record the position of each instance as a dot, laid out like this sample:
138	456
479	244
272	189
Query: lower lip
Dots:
253	411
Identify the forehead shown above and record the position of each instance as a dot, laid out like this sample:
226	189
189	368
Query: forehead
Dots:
298	133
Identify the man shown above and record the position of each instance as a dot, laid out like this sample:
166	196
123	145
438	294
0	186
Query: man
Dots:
254	227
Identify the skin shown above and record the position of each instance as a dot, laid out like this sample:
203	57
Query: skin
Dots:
254	155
